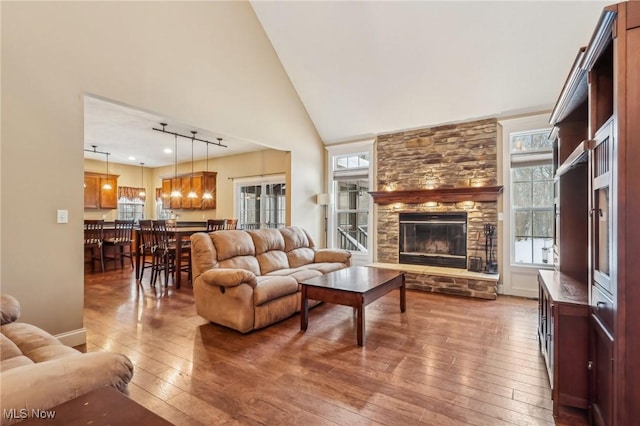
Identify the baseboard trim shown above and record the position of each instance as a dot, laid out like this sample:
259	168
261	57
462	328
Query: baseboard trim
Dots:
73	338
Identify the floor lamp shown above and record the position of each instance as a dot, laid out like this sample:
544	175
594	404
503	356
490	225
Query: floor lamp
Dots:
323	200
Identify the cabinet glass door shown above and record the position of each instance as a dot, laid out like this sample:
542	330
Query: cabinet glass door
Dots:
601	224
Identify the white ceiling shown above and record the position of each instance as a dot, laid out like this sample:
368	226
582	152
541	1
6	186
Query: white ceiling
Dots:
127	132
363	68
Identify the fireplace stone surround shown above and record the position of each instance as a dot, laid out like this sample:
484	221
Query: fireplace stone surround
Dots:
461	158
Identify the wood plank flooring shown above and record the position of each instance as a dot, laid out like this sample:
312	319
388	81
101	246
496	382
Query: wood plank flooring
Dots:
446	361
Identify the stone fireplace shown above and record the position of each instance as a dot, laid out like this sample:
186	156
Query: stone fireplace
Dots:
439	172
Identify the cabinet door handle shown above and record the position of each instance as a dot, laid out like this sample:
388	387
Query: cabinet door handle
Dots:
590	365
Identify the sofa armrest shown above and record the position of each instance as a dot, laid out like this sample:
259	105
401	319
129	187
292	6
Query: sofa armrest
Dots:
46	384
333	255
9	309
223	277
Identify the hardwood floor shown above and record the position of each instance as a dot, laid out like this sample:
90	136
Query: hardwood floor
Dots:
445	361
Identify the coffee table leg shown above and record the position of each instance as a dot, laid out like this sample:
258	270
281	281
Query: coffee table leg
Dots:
360	326
304	314
403	296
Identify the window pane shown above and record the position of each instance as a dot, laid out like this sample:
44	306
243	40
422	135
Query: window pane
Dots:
523	250
521	174
542	248
541	141
543	223
536	141
522	194
543	172
523	224
542	194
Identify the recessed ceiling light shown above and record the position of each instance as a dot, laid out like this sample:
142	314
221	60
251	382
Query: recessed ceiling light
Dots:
131	157
167	151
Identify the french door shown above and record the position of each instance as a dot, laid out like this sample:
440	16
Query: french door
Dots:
261	204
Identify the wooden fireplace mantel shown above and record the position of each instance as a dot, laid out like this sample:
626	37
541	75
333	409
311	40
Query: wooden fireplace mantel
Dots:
442	195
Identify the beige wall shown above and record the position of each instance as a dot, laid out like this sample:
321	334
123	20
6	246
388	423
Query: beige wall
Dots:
204	63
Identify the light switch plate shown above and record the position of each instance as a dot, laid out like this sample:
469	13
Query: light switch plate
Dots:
63	216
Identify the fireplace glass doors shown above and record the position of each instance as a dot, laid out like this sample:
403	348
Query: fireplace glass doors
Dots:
436	239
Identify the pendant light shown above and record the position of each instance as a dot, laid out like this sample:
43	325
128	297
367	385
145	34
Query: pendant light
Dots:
207	194
107	186
192	194
175	192
142	194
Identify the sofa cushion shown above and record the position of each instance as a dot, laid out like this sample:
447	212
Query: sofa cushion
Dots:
235	250
299	274
9	308
298	245
272	287
269	245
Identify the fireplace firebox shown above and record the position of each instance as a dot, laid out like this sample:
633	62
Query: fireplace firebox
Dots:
435	239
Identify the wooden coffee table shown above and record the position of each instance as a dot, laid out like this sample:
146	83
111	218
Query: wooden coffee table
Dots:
100	407
355	286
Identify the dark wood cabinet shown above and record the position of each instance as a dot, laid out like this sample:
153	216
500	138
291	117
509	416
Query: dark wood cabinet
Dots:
200	182
95	196
563	332
597	123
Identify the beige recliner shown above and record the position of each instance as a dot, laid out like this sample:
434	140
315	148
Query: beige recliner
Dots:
38	372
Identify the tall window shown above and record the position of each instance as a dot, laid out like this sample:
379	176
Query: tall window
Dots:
351	186
531	197
261	205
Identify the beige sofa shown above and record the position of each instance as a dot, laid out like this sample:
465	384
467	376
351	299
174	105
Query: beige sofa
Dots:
39	372
247	280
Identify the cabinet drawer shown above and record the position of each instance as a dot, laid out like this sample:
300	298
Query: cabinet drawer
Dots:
602	307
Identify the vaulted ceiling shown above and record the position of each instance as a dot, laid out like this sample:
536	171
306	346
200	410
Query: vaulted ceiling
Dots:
363	68
367	67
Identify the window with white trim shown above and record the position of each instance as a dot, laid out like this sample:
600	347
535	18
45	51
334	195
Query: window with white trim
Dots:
352	201
532	220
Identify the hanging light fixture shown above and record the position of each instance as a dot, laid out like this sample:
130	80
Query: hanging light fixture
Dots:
192	194
107	185
175	192
207	194
142	193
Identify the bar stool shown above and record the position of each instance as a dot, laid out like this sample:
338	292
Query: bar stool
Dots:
216	224
93	233
146	248
121	242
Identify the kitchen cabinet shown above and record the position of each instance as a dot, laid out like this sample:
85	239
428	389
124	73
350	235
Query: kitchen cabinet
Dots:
201	182
95	196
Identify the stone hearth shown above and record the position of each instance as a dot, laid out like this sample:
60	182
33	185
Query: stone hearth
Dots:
455	156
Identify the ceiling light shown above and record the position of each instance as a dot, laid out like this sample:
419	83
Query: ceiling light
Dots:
207	194
167	150
107	186
131	158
